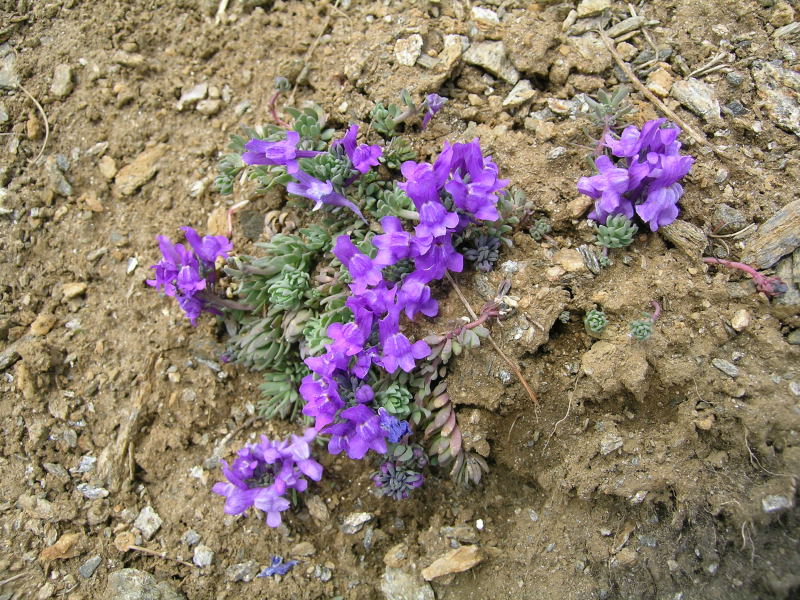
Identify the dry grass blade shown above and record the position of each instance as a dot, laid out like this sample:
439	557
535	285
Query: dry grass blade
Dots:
44	118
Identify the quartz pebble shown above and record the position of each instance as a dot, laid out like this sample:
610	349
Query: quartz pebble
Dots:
203	556
455	561
354	522
61	86
407	50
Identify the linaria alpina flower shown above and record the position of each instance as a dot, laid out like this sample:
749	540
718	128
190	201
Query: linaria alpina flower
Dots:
277	567
433	104
285	152
362	268
320	192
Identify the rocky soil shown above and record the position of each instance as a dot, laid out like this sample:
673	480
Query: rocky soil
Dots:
663	469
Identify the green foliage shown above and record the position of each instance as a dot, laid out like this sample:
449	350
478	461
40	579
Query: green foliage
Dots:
609	109
384	119
287	290
329	166
280	397
259	345
540	228
397	152
618	232
564	316
395	399
310	124
642	329
595	321
393	201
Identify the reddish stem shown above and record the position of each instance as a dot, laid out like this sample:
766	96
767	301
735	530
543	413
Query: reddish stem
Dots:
656	311
273	110
770	286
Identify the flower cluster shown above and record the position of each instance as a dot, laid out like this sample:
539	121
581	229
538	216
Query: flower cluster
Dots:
640	177
262	473
459	188
185	274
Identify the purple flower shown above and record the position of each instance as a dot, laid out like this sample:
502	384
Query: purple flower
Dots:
661	206
415	296
422	182
277	567
394	244
395	429
434	220
357	433
608	187
438	258
361	267
262	473
361	157
322	400
348	338
321	193
184	275
209	247
398	351
433	104
262	152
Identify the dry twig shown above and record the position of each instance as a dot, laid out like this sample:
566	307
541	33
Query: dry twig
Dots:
46	122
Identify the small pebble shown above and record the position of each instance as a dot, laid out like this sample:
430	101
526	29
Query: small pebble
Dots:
776	503
203	556
354	522
723	365
88	568
191	537
148	522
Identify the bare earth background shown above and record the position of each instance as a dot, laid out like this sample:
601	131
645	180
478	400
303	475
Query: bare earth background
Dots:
645	472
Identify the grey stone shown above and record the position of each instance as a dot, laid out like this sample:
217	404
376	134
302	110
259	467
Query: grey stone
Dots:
193	95
9	78
776	503
626	26
779	87
779	236
407	50
699	98
794	337
203	556
734	78
726	219
148	522
397	584
519	94
191	537
92	492
245	571
355	521
132	584
86	464
794	387
723	365
56	470
55	174
556	152
61	87
736	108
3	114
491	56
88	568
610	442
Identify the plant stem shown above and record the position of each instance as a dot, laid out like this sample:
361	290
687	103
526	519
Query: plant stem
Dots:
656	311
273	110
770	286
220	302
502	354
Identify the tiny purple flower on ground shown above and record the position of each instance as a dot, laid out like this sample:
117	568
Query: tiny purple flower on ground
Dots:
277	567
433	104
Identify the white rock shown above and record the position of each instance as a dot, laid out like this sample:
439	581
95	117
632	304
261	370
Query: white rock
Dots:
192	95
62	81
407	50
203	556
485	15
355	521
775	503
520	93
148	522
454	46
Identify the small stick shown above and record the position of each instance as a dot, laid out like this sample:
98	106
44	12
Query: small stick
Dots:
502	354
697	137
741	232
46	123
770	286
159	555
223	6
